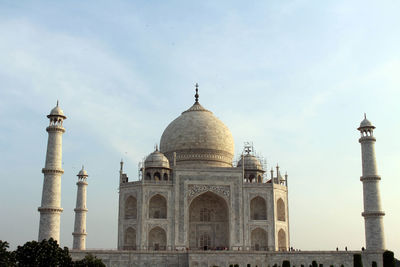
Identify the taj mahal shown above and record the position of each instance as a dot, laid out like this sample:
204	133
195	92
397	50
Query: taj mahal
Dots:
194	205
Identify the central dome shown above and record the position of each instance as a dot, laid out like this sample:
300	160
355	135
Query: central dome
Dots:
198	138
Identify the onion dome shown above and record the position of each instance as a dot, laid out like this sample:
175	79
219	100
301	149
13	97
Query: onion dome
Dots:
250	163
57	112
198	138
156	160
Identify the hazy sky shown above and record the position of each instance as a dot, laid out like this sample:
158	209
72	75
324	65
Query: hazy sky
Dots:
293	77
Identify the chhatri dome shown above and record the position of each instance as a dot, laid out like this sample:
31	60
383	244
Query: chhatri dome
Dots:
251	162
198	138
57	111
156	160
366	123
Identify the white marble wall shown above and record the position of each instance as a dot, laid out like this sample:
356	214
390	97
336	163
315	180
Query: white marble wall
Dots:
79	240
373	214
50	210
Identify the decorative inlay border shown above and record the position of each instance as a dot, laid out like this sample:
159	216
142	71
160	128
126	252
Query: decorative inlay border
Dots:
196	189
163	226
161	193
253	227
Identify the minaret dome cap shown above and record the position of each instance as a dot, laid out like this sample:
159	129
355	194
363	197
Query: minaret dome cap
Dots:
57	111
366	123
82	173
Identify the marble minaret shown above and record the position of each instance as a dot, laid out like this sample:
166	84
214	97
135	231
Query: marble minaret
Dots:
50	209
79	233
373	214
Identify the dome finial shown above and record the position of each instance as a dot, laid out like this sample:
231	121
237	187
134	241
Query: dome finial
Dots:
365	115
197	93
57	102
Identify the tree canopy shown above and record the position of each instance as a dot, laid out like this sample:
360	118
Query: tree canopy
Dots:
43	254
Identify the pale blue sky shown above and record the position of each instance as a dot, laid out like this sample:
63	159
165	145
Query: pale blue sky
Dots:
294	77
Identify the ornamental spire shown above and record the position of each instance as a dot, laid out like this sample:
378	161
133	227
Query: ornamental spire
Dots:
197	93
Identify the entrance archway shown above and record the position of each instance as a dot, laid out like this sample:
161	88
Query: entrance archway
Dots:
208	222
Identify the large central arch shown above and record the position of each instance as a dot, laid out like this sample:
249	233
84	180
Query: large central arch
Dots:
208	222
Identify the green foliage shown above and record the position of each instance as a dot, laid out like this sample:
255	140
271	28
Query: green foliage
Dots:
90	261
388	259
396	262
286	264
6	257
44	253
357	260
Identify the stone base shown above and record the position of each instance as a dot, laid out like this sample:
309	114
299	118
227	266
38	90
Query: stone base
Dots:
117	258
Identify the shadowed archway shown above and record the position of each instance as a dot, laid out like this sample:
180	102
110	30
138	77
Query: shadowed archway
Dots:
208	222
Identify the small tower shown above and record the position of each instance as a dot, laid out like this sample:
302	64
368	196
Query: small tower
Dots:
50	209
252	168
79	233
373	215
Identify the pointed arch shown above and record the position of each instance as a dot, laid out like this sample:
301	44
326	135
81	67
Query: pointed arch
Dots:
281	211
130	208
148	176
282	240
208	222
157	239
130	239
258	209
251	178
158	207
259	239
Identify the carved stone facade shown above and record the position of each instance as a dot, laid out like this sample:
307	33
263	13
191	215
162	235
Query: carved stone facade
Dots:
210	208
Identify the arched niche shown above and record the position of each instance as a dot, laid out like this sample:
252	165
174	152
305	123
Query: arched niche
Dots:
157	239
157	176
158	207
259	240
281	211
130	239
282	240
131	208
258	209
208	222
